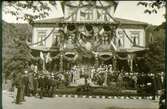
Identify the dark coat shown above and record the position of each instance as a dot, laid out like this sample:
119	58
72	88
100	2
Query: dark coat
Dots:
19	81
41	82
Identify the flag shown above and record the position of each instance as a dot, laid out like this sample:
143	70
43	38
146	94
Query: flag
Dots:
98	14
48	58
41	55
101	31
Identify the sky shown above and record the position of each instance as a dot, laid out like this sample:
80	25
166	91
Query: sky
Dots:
125	9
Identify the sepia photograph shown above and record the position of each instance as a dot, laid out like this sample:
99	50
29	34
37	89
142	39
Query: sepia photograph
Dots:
103	54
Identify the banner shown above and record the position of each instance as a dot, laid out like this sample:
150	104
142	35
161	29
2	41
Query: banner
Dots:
48	58
41	56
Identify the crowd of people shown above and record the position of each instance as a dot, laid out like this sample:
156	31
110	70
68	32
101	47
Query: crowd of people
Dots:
106	74
38	84
43	83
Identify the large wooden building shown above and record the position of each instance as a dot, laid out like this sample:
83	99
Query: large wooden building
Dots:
87	34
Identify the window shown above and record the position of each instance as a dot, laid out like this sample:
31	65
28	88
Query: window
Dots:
106	17
101	14
89	15
82	15
120	39
55	39
151	38
135	38
41	37
74	17
86	14
72	14
105	39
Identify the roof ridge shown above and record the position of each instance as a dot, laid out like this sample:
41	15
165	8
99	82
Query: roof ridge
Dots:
130	20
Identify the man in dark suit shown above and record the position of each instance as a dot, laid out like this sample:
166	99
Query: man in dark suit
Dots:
26	82
19	86
46	85
41	85
35	83
162	104
52	86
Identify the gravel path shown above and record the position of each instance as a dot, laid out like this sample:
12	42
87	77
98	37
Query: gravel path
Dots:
78	103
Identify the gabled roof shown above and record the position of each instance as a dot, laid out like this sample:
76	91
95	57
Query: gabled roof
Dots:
50	20
62	20
127	21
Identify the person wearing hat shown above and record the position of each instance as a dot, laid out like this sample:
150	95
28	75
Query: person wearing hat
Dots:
46	84
52	86
26	83
35	83
19	86
49	85
41	85
30	85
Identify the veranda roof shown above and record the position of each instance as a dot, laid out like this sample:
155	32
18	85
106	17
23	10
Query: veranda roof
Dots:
62	20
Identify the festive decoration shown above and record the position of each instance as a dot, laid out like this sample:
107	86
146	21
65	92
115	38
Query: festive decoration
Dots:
105	57
41	56
71	28
48	58
122	58
56	57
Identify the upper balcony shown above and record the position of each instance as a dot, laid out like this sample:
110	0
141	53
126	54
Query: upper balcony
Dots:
89	10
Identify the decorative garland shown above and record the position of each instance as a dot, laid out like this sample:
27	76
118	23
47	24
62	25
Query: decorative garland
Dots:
71	28
121	58
70	58
140	57
56	57
34	58
105	58
46	37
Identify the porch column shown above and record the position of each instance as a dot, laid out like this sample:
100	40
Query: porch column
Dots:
61	63
130	59
43	57
43	66
96	60
114	63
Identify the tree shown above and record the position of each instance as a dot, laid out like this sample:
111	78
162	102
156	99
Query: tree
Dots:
34	9
16	53
153	60
152	6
